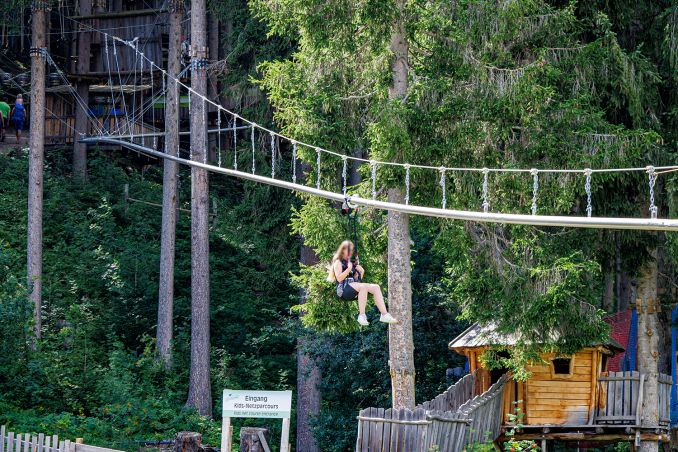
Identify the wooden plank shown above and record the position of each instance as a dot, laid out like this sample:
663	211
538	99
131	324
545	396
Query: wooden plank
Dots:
41	440
375	438
2	438
395	432
10	442
561	385
17	442
359	439
386	435
639	402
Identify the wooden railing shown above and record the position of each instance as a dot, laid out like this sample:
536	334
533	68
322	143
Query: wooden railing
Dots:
26	442
620	398
421	429
454	397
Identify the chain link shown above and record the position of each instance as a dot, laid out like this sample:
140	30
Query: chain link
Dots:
235	142
254	166
486	203
317	163
343	175
442	186
587	187
294	162
373	171
407	185
219	138
535	187
652	179
272	156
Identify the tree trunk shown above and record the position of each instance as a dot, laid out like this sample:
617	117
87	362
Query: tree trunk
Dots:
188	442
82	88
249	439
36	164
308	380
199	392
213	81
169	189
401	344
648	352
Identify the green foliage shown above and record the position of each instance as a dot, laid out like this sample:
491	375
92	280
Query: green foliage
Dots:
94	373
529	84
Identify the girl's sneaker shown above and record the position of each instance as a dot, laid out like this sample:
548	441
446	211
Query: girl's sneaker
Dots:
387	318
362	319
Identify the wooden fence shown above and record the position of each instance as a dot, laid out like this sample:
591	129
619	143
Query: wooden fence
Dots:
454	397
484	412
26	442
418	430
620	398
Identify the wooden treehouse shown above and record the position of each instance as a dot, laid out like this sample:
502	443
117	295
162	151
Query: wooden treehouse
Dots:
98	85
104	75
573	399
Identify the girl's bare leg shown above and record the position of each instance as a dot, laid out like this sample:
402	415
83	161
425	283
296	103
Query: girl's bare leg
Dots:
362	300
375	290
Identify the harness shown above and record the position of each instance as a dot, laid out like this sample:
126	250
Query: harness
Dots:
351	213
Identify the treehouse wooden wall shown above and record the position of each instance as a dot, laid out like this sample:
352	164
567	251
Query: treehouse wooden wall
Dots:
549	398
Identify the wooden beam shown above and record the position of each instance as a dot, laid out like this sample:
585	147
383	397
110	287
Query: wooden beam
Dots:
588	436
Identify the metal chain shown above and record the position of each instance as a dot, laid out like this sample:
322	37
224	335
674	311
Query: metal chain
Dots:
343	175
535	187
442	186
272	156
317	162
254	166
373	171
204	121
219	137
587	188
407	185
652	178
486	202
235	141
294	162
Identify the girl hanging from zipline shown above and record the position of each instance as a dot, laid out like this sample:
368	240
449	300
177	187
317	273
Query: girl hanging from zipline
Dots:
350	286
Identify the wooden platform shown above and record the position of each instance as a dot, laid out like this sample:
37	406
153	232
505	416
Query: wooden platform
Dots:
589	433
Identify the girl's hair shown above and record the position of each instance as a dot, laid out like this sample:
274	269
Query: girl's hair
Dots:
331	277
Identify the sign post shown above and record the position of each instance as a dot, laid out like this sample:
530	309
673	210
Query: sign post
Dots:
256	404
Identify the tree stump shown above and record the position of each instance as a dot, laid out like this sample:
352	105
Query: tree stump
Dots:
188	442
249	439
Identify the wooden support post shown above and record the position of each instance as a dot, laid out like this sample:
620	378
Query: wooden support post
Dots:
226	434
285	436
36	161
82	67
199	391
165	328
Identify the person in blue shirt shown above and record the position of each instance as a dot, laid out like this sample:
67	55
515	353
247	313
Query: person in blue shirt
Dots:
18	116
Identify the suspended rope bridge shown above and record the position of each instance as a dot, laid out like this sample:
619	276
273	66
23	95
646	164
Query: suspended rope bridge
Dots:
124	134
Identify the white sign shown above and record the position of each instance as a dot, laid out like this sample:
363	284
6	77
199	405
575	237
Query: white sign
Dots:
258	404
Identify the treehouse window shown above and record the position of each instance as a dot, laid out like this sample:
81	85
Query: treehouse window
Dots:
562	366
